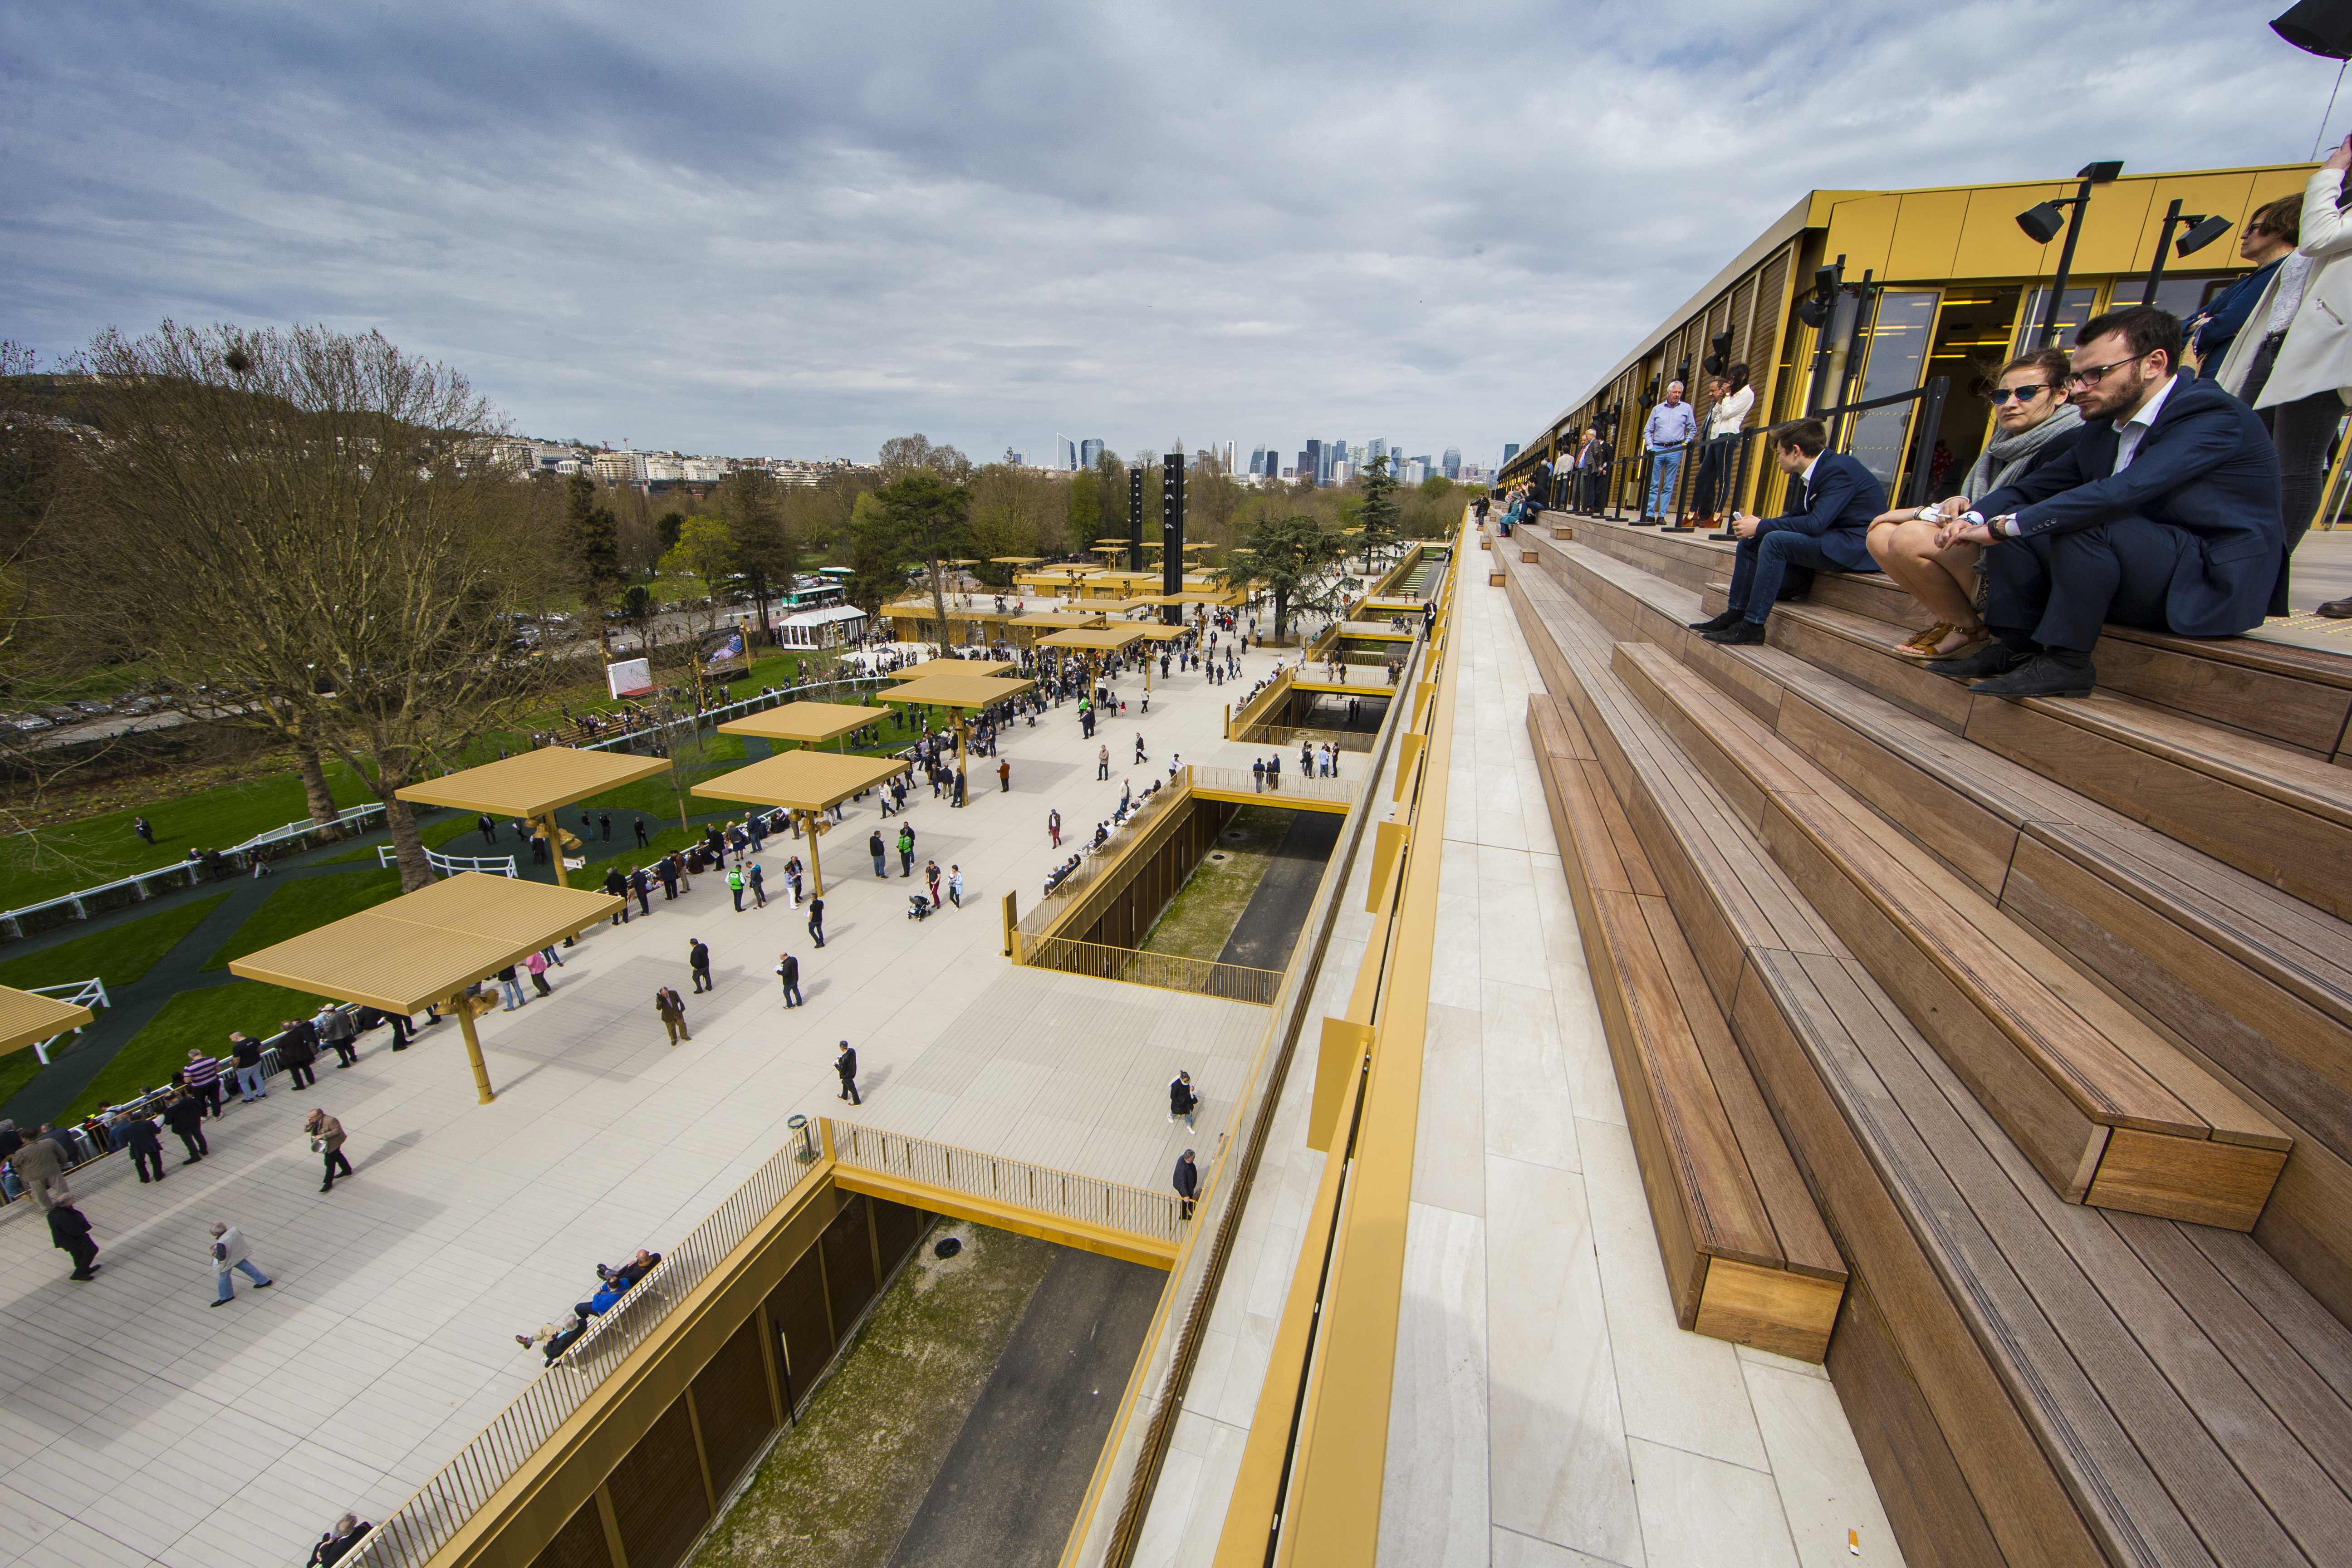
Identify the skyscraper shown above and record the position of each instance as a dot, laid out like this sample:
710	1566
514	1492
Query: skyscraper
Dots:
1510	451
1313	464
1257	462
1089	453
1378	450
1451	463
1069	452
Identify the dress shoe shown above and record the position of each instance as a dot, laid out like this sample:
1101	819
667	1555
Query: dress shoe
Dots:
1993	659
2042	676
1740	632
2337	610
1646	522
1716	623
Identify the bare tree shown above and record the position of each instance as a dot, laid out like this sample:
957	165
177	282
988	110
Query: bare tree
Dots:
306	530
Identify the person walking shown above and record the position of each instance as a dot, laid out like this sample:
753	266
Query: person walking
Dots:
245	1055
1004	776
758	883
536	967
698	961
1141	754
735	886
874	847
185	1117
605	822
671	1006
337	1031
146	832
955	886
958	794
231	1256
931	878
1181	1099
298	1049
788	974
846	1065
644	839
327	1138
1187	1182
1053	826
816	921
146	1148
1102	763
618	887
40	1166
69	1231
511	988
202	1075
488	829
642	885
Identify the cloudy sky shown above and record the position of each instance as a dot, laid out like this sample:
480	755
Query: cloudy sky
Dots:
798	229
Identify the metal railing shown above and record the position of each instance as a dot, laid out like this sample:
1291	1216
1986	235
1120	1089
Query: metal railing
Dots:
1241	781
1256	707
1168	971
1064	1193
1292	735
91	992
447	865
1050	907
412	1533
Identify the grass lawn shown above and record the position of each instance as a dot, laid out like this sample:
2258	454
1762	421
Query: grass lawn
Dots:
118	956
200	1019
1200	918
50	861
296	907
841	1487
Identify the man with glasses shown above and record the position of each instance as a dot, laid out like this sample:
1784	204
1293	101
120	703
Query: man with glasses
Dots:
2164	514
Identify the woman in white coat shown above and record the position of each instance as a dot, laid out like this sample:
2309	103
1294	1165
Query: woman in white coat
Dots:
2293	360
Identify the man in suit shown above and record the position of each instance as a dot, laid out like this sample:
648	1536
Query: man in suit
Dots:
2165	514
1836	498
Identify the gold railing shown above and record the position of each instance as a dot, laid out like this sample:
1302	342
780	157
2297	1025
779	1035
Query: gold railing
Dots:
1168	971
1241	781
1288	735
992	1178
1257	707
413	1533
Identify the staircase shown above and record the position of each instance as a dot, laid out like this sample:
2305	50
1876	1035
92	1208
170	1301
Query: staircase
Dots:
2051	1003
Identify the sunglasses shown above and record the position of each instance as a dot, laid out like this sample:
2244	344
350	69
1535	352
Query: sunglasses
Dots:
2000	395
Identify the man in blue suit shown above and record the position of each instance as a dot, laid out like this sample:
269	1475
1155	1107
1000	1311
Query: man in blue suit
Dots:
1835	498
2164	514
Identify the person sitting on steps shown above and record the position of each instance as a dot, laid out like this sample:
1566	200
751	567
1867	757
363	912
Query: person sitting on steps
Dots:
1835	498
2033	425
2164	514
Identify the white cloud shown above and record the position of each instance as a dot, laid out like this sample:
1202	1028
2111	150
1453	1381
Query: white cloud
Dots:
751	228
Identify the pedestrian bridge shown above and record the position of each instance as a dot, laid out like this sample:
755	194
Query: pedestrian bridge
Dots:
1333	795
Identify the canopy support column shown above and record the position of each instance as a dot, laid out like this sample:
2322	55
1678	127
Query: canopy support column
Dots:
816	867
554	845
463	1006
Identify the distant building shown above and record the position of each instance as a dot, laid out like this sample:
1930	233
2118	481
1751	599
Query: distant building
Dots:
1313	464
1510	451
1089	453
621	468
1375	452
1070	453
1257	462
1342	471
1451	463
1416	469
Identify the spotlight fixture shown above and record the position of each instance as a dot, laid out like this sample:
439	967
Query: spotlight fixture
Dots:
2042	222
2202	232
1719	354
1815	311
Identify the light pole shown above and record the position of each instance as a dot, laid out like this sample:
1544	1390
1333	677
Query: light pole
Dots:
2201	231
2040	223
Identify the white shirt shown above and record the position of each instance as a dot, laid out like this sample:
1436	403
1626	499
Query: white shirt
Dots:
2129	431
1729	412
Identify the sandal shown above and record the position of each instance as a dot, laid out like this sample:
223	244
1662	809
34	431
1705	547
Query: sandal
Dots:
1922	644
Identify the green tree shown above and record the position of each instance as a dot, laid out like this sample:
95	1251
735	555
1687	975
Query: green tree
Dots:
931	520
1381	514
665	530
1290	556
706	551
591	548
869	539
765	551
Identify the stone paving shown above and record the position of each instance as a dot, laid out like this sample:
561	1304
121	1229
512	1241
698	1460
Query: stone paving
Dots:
145	1426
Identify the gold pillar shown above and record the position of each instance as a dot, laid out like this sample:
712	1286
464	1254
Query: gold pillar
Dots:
555	846
462	1005
816	870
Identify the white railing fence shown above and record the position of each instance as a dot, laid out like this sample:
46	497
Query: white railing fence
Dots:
91	993
449	864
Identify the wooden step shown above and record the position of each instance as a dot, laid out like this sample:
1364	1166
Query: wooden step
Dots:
1747	1256
2111	1114
2256	983
2029	1380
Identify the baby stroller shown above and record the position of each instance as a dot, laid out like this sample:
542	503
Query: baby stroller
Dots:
920	908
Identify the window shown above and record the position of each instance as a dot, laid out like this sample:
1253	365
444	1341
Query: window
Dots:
1897	342
2072	312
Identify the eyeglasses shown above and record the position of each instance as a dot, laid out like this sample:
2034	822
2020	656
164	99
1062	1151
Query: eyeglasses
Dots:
2000	395
2097	373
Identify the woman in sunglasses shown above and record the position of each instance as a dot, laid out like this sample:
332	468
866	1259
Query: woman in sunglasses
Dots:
2033	423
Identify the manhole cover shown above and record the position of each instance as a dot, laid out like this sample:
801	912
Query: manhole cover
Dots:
1216	854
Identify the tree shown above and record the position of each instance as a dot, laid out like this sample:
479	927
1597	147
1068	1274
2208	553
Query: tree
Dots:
705	550
765	553
902	455
1290	556
302	529
666	528
591	539
931	521
876	570
1381	513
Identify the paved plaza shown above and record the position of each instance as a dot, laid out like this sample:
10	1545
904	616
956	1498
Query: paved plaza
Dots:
1548	1413
145	1426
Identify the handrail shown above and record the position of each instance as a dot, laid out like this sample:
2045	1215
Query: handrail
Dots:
450	865
1138	966
1254	707
1357	740
91	992
412	1533
1291	787
1064	1193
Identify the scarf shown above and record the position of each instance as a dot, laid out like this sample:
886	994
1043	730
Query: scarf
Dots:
2006	456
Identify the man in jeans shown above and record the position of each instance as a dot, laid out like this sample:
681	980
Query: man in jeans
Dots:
1671	426
245	1053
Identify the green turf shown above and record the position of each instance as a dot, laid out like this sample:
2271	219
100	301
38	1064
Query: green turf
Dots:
17	1070
296	907
51	861
192	1019
118	955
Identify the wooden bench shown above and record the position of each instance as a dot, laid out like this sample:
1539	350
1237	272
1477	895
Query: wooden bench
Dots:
2251	982
1746	1255
2031	1380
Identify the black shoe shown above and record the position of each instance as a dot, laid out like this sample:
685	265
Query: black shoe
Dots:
2336	610
1993	659
1716	623
1646	522
2042	676
1743	632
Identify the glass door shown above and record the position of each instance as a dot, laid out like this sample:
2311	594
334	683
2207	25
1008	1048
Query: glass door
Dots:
1896	347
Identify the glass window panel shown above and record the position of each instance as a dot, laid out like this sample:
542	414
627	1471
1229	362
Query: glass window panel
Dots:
2072	312
2184	297
1898	347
